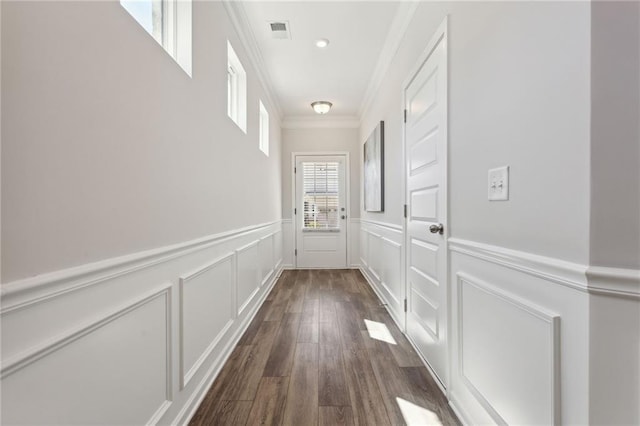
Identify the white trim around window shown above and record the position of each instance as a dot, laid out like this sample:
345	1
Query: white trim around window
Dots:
236	89
264	130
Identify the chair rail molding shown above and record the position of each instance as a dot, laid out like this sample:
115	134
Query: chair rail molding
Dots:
24	292
614	281
559	271
591	279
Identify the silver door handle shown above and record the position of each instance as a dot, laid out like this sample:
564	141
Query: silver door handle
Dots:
437	229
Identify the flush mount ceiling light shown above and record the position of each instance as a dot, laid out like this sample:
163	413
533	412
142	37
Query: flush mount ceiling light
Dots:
322	43
321	107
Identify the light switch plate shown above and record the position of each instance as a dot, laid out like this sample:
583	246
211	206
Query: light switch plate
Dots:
499	184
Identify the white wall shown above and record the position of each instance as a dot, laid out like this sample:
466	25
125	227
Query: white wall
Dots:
614	335
515	98
321	140
110	148
133	254
615	134
529	313
0	140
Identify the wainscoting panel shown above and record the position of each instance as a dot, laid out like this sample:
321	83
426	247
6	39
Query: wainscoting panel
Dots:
364	247
381	257
266	249
391	273
519	343
97	371
494	325
287	244
248	273
375	255
278	243
524	347
206	312
353	243
132	340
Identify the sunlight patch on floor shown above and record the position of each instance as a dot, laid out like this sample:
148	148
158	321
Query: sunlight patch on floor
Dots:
415	415
379	331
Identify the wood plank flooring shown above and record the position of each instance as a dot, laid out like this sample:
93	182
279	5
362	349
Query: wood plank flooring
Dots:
308	358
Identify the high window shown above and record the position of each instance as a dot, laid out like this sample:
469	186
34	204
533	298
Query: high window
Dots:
236	89
169	22
264	129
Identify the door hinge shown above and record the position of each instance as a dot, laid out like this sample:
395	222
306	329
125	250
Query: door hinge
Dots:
405	115
295	211
295	253
405	211
295	170
405	305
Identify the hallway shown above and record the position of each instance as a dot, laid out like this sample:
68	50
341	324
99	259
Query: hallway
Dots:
281	212
321	350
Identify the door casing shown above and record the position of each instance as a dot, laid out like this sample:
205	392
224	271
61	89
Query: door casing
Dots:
440	34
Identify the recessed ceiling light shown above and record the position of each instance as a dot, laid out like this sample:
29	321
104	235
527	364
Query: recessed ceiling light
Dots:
322	43
321	107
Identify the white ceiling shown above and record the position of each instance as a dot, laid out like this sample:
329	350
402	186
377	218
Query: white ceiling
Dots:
301	73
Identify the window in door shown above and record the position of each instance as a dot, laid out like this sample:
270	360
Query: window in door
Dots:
320	195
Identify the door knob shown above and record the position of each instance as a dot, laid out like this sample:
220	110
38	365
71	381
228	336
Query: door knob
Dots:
437	229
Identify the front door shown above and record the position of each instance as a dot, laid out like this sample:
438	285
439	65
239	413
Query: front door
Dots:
426	170
320	211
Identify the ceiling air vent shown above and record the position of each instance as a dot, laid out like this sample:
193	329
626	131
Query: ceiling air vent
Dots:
280	29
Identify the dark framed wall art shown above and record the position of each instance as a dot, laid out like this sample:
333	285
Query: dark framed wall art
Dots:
374	170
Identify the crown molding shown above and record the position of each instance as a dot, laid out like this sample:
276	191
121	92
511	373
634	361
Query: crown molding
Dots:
238	16
399	26
321	122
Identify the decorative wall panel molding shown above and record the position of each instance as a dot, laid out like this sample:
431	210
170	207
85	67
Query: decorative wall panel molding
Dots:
381	258
266	248
288	243
206	313
508	353
42	384
70	339
247	275
353	243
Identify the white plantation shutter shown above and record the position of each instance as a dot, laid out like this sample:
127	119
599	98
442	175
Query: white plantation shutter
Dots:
320	195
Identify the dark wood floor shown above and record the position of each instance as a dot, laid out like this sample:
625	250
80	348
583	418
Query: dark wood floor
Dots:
308	359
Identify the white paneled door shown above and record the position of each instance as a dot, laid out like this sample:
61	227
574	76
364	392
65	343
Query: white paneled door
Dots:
320	211
425	95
